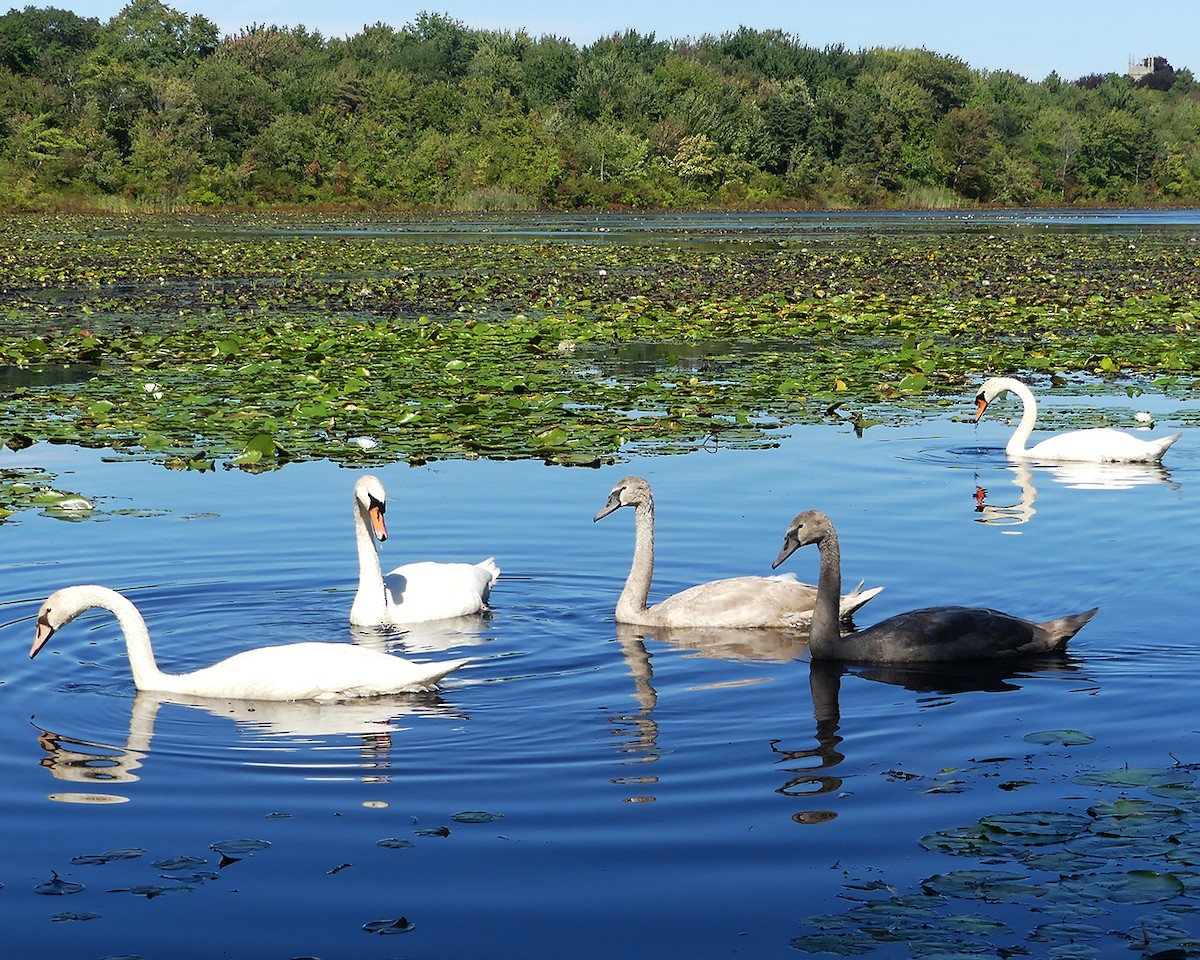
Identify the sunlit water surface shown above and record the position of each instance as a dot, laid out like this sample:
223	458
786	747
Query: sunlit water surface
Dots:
625	796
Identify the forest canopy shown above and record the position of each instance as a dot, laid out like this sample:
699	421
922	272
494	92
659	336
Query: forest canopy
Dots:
155	109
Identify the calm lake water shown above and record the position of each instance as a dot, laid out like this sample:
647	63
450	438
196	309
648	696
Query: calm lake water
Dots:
582	789
623	795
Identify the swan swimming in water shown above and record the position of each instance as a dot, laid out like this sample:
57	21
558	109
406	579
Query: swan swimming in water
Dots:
1097	445
738	602
413	592
930	634
293	671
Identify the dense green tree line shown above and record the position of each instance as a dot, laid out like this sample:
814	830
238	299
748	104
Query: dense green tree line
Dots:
155	108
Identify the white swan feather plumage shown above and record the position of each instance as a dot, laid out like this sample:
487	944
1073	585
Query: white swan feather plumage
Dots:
1096	445
778	600
413	592
293	671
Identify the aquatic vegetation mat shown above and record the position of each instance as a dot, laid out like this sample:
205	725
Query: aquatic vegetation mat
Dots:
253	342
1118	873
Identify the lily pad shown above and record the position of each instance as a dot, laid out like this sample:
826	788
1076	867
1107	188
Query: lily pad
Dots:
179	863
476	816
387	927
1133	886
394	843
97	859
238	848
1067	738
58	887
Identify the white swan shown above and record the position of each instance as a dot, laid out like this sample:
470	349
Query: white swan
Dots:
294	671
739	602
414	592
934	633
1097	445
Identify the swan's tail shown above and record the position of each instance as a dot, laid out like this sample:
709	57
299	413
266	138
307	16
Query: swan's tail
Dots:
1163	446
491	567
433	672
856	598
1056	633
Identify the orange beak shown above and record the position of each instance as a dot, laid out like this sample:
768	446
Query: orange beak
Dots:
980	406
41	635
378	524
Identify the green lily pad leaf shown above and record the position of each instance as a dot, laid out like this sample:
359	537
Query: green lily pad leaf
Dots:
1068	738
386	927
394	843
68	917
1066	930
847	944
476	816
1133	886
179	863
980	884
1110	847
57	887
151	890
1032	829
1134	777
238	848
108	856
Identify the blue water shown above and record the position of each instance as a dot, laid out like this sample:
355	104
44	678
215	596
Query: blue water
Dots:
693	796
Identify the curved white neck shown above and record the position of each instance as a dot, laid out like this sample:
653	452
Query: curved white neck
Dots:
146	675
636	592
1016	443
370	601
826	631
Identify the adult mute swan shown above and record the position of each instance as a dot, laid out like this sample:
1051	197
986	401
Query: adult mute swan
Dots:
293	671
771	601
413	592
934	633
1097	445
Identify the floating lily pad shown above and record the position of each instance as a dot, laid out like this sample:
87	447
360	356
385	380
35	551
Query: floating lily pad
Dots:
179	863
1135	777
386	927
238	848
1068	738
97	859
980	884
476	816
58	887
1133	886
151	890
70	917
393	843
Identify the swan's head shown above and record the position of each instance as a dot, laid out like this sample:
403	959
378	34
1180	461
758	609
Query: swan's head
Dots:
991	389
811	526
630	492
371	499
60	608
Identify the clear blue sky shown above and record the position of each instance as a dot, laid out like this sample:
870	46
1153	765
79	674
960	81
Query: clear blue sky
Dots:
1030	37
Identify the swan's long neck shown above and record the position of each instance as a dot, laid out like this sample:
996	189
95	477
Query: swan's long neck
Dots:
370	601
826	632
637	585
1016	443
146	675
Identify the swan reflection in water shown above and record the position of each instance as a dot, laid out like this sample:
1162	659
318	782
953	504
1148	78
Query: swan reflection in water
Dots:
810	770
639	731
434	637
1080	476
372	721
940	679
